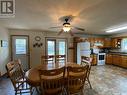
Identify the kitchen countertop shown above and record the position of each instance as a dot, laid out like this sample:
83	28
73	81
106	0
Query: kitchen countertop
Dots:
118	53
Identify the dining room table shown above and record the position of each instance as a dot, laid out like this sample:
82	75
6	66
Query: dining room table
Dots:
32	75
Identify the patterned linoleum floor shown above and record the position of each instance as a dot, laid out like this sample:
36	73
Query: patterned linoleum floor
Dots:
105	80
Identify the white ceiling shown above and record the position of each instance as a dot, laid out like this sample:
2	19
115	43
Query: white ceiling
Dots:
93	15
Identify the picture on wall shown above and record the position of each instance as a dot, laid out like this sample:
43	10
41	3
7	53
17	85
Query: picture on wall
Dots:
4	43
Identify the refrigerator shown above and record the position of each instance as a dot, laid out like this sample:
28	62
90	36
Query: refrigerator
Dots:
83	49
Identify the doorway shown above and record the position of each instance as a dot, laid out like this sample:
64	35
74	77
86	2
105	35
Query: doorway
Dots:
20	50
56	46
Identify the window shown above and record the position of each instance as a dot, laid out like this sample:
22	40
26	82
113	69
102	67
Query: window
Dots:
124	44
51	47
62	48
20	46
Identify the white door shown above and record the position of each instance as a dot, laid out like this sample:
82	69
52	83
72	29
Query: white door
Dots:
20	50
61	47
56	46
51	50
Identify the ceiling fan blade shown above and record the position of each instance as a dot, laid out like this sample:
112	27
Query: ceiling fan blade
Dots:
56	27
60	32
71	33
81	29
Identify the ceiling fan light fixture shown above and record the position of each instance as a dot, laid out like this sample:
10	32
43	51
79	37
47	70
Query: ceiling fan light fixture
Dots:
66	27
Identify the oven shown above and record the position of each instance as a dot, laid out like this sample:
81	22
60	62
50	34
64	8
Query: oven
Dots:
101	58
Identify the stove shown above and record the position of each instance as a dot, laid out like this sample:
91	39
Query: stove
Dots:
101	58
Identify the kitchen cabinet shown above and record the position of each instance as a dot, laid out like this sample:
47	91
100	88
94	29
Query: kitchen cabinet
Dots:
116	42
78	39
116	59
95	41
99	42
107	42
94	59
108	58
91	42
124	61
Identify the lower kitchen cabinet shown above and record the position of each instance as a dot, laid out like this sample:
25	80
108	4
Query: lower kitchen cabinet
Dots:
124	61
94	59
117	59
108	58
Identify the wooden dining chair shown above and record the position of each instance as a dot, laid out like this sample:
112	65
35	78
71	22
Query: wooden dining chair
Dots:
87	61
76	77
60	58
47	59
18	61
18	80
52	81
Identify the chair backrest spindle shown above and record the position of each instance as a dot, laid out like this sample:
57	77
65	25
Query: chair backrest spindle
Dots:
76	78
52	81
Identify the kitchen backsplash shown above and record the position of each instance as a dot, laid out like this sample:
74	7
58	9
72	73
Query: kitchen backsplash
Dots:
117	50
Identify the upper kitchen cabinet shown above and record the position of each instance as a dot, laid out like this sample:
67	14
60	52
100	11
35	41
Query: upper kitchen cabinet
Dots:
116	42
92	40
99	42
107	42
78	39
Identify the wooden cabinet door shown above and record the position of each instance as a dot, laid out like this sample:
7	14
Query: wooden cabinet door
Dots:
124	61
114	42
116	59
109	59
92	40
120	61
99	40
94	59
107	42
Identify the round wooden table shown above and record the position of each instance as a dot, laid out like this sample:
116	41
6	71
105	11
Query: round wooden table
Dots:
32	75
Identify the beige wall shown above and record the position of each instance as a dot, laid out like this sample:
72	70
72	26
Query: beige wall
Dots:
4	51
35	53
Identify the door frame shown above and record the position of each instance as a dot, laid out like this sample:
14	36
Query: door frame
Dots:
28	47
54	38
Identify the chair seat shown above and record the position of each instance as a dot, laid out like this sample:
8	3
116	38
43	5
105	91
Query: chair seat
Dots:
53	91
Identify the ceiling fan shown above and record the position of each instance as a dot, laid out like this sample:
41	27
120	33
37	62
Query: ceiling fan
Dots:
66	27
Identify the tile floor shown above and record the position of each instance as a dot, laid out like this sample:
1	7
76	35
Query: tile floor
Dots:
105	80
